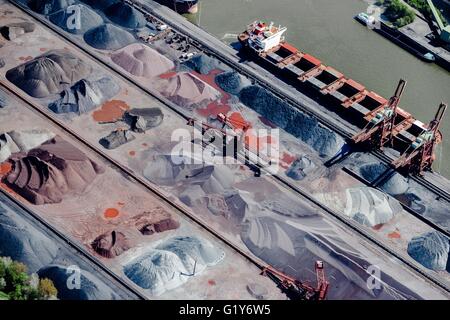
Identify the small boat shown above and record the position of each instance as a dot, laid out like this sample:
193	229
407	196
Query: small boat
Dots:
429	57
365	19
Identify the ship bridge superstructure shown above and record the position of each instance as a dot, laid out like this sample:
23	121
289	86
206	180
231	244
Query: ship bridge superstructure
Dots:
264	37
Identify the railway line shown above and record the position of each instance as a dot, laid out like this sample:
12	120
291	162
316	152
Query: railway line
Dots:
160	195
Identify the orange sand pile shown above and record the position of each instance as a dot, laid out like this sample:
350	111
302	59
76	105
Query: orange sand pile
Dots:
5	168
111	111
111	213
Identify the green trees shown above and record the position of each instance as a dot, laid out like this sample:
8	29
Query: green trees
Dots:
16	284
425	9
399	13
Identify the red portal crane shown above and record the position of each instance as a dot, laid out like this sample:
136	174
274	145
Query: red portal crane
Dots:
420	154
380	129
298	290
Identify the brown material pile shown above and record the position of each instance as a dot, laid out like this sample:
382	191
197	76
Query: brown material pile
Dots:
49	172
185	89
110	244
148	225
156	221
142	61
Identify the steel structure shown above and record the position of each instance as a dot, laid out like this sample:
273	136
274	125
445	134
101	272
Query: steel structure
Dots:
419	156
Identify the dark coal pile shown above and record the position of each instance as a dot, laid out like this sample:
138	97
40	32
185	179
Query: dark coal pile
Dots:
116	138
125	15
295	122
47	7
394	184
100	4
300	168
232	82
15	30
431	250
111	244
51	171
88	19
91	288
48	74
84	96
140	120
108	37
3	100
202	64
22	242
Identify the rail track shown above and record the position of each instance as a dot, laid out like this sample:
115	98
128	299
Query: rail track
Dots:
160	195
180	209
74	245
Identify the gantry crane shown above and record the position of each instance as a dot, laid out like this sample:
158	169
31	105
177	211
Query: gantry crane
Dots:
298	290
380	129
444	31
420	154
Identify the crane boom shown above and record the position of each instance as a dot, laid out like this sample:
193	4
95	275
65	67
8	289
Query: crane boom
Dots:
419	156
444	30
436	15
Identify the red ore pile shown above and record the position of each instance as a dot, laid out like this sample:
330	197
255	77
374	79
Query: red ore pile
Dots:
51	171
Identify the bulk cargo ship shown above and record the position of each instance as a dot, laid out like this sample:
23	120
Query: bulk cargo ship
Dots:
381	120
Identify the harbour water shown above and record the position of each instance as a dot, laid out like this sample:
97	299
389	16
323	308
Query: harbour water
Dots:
327	30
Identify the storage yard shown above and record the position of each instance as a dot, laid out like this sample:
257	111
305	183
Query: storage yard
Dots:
93	157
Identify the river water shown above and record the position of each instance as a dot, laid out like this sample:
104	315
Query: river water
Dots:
327	30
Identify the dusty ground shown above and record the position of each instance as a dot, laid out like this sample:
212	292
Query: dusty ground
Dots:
82	216
88	219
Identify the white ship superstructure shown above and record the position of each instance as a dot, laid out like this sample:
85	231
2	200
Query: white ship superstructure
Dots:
263	37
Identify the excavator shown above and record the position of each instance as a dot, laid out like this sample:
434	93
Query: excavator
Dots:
297	290
420	154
